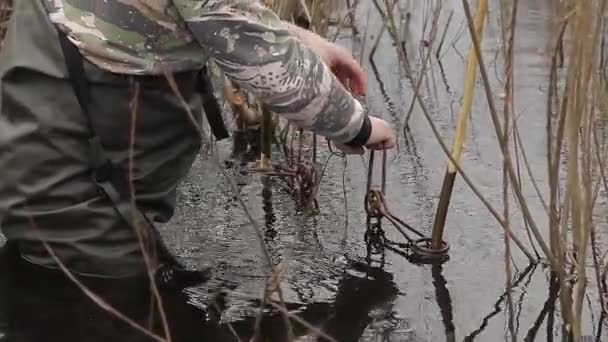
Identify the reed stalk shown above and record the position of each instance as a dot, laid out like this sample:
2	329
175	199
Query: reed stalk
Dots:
582	64
461	129
508	25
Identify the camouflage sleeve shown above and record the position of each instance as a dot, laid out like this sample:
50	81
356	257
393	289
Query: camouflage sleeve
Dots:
255	49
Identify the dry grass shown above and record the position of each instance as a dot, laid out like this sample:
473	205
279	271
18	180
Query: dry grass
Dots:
581	110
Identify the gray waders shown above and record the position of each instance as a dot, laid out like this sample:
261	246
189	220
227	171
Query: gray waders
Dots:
114	184
47	168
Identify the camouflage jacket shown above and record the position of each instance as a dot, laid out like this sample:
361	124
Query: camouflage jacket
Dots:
248	41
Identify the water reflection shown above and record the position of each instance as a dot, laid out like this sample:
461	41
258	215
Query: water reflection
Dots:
548	311
357	296
444	79
362	297
444	301
41	305
269	215
600	326
390	105
497	306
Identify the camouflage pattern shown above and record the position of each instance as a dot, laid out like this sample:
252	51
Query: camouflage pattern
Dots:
248	42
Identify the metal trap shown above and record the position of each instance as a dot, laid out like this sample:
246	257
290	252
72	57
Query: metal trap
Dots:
417	247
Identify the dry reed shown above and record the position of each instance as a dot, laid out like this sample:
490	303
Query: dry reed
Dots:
572	136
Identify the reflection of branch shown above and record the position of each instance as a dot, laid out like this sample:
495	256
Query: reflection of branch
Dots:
391	105
267	206
444	79
345	235
445	31
502	297
520	301
412	150
600	325
548	308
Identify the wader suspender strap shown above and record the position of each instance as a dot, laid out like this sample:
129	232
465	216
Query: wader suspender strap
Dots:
105	175
108	178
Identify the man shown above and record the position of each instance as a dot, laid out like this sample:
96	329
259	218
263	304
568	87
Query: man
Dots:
55	130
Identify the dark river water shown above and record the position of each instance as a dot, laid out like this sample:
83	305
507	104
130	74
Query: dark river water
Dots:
327	281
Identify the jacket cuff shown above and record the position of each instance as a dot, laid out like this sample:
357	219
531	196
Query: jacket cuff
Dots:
364	133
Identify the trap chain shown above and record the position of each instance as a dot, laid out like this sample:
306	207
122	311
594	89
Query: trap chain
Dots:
417	249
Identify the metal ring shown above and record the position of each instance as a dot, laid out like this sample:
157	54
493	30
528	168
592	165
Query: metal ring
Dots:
422	252
372	202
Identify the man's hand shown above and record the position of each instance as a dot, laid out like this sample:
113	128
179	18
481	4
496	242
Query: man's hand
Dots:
338	59
351	75
346	69
382	138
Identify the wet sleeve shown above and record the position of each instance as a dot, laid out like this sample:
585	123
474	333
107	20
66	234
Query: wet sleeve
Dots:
255	49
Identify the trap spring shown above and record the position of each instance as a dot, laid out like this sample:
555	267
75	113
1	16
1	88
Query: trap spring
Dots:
417	249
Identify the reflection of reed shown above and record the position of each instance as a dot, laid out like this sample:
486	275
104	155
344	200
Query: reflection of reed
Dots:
417	172
387	99
269	216
547	311
520	303
444	79
600	325
444	301
497	309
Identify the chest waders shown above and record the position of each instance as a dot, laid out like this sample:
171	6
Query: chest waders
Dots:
113	183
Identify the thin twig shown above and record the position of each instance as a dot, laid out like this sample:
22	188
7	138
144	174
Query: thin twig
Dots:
134	105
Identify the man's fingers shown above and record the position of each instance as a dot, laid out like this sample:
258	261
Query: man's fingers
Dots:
350	74
359	82
357	79
348	149
357	75
384	145
343	78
